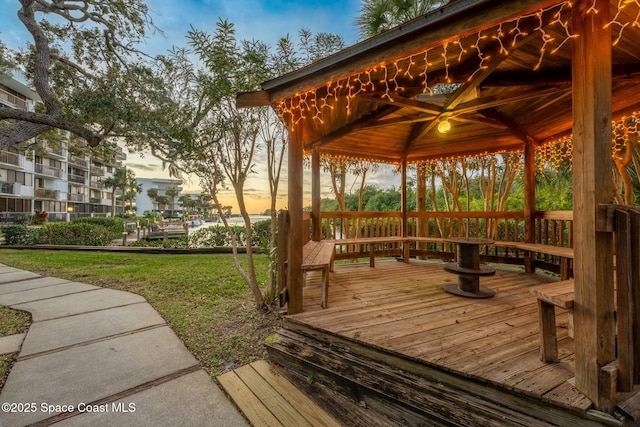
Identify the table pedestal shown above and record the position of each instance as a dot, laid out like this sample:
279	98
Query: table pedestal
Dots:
469	269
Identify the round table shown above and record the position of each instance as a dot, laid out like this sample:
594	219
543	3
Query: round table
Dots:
469	269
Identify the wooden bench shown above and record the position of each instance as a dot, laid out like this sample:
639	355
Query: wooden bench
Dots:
565	254
371	242
552	295
319	256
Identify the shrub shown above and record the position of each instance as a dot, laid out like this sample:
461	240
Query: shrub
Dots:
173	243
209	237
262	233
76	233
20	234
115	225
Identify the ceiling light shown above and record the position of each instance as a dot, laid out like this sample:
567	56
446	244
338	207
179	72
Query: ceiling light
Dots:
444	126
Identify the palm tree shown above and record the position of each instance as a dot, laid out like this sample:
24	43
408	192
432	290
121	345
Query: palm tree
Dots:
377	16
152	193
187	202
162	201
171	194
116	182
132	188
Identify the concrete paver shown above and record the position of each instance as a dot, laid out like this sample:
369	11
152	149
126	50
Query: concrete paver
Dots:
11	343
44	293
66	331
82	302
95	371
95	346
26	285
14	276
206	405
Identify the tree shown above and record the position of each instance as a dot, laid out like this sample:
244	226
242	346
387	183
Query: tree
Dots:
115	182
171	193
6	63
132	188
101	87
123	179
377	16
188	204
163	202
152	193
221	142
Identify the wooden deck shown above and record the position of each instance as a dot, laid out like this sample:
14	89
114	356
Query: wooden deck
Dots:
402	309
268	399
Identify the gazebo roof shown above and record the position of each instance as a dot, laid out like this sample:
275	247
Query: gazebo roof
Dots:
499	72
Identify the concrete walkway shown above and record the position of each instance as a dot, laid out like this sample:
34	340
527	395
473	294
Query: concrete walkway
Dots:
100	357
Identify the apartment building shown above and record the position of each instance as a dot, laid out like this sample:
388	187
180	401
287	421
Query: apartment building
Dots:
164	198
51	176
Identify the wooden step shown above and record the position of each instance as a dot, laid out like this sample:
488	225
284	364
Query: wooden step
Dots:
266	398
403	390
399	395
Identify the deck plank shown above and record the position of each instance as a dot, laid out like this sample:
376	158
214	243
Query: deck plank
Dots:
304	405
247	401
271	398
402	308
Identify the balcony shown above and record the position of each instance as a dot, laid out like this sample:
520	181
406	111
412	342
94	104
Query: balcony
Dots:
79	198
97	171
47	193
53	150
12	100
78	179
10	158
45	170
10	188
94	200
78	161
96	184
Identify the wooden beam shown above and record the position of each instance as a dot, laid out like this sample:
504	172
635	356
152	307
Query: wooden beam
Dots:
362	121
296	240
512	96
554	77
509	124
406	102
408	119
315	193
417	132
253	99
592	185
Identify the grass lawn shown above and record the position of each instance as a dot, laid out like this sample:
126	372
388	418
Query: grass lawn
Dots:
11	322
202	297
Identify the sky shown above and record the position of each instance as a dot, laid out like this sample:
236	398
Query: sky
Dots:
265	20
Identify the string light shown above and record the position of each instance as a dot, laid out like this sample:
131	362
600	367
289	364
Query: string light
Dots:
293	109
315	102
623	132
616	21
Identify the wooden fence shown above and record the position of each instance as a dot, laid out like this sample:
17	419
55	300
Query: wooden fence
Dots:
550	228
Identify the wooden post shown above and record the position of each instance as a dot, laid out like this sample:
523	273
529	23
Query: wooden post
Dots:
529	201
283	253
592	165
296	242
315	194
405	225
421	206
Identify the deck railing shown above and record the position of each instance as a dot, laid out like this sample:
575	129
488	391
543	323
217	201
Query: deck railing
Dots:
550	228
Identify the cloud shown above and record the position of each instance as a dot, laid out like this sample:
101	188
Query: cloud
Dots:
144	167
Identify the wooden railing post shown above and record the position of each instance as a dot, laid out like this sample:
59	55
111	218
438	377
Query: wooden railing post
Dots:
283	253
592	183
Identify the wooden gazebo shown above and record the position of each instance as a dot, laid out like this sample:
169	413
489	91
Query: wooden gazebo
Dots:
500	76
